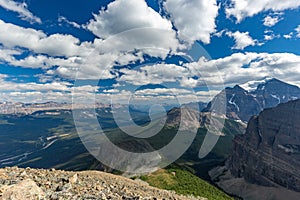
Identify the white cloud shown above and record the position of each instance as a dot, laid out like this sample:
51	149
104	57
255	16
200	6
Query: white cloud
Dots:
12	86
288	36
154	74
57	44
195	20
154	42
62	19
298	31
162	91
124	15
169	95
242	40
235	69
188	82
46	96
88	59
220	33
6	55
127	25
206	96
111	91
243	67
270	21
154	36
42	92
2	76
231	70
12	35
241	9
269	35
20	8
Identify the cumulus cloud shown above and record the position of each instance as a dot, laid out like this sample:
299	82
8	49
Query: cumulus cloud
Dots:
298	31
293	34
21	9
243	67
12	86
153	42
42	92
180	94
2	76
242	39
87	59
270	21
6	55
288	36
195	20
269	35
126	31
241	9
235	69
154	74
57	44
124	15
12	35
131	24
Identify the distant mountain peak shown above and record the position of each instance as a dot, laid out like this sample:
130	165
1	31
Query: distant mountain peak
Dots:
251	98
253	85
237	87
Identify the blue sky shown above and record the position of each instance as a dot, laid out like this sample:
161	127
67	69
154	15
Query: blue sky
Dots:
155	50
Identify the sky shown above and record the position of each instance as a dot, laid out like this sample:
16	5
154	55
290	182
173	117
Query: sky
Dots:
161	51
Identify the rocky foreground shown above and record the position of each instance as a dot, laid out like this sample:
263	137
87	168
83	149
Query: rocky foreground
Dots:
17	183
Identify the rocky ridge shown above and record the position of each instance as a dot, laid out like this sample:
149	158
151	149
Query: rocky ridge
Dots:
17	183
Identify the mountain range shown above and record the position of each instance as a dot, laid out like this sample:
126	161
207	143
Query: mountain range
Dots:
266	153
242	102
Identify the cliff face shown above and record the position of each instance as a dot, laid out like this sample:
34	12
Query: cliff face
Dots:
269	152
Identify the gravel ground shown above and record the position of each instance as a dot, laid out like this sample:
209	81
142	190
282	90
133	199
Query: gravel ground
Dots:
22	184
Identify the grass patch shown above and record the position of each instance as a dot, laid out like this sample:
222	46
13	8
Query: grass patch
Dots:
184	182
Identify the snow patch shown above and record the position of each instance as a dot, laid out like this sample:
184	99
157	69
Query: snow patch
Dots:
276	97
233	103
252	85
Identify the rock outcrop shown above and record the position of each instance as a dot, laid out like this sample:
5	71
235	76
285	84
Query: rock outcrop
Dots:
34	184
269	153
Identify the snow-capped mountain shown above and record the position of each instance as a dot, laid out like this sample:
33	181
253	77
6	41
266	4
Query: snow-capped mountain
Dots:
242	102
252	85
273	92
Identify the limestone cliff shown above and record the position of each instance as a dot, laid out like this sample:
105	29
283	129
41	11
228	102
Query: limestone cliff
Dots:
269	153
